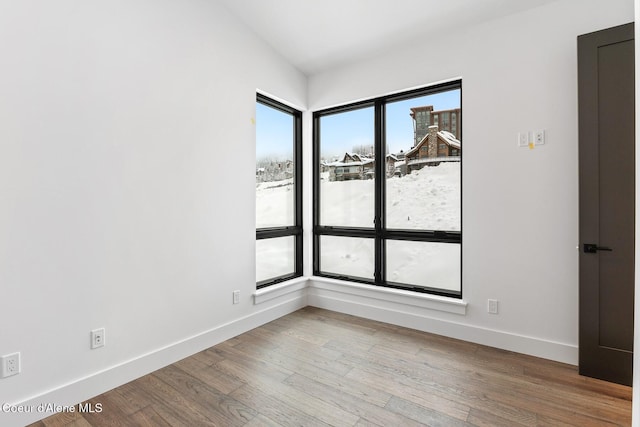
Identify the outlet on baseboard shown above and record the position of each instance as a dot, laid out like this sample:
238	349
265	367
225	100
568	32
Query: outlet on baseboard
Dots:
97	338
492	306
10	365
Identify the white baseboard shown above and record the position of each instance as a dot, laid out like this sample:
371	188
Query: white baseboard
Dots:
365	303
99	382
384	305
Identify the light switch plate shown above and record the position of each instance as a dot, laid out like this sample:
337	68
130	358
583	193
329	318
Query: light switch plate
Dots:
523	139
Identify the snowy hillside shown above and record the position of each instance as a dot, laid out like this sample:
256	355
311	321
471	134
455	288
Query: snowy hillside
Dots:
427	199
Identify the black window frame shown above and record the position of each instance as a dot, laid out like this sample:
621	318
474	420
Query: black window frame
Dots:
294	230
379	232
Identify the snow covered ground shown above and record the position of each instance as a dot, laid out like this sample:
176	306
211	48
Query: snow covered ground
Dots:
427	199
274	204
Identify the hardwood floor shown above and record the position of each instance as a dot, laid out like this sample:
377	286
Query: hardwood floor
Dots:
317	368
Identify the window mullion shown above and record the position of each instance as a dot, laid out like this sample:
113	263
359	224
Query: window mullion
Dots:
316	193
297	154
379	147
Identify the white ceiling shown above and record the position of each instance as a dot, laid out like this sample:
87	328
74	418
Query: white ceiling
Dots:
316	35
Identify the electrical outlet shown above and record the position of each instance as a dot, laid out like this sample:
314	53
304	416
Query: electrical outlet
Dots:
10	365
97	338
538	137
492	306
236	297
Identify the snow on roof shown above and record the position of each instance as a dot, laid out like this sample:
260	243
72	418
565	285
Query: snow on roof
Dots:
449	138
359	160
356	156
418	145
339	163
446	136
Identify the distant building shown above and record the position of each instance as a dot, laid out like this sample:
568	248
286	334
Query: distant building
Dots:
352	166
421	121
392	159
446	120
434	148
400	164
270	170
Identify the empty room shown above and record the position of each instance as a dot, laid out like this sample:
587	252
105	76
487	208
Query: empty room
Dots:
338	212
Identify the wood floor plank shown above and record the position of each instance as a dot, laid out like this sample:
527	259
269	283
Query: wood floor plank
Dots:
250	372
481	418
307	404
317	368
218	407
561	375
397	383
365	423
148	417
422	414
172	405
207	357
115	399
210	375
276	409
262	421
104	411
574	419
263	337
531	398
347	402
80	422
62	419
66	419
131	397
535	394
532	395
297	355
547	400
348	386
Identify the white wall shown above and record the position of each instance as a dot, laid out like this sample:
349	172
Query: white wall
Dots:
520	206
126	187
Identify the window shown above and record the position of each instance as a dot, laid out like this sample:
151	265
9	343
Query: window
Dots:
445	120
397	227
278	192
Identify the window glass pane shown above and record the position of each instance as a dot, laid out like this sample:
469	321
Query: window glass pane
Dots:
349	256
347	169
428	264
274	257
274	168
423	165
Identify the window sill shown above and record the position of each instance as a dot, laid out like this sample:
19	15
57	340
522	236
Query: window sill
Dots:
399	296
280	289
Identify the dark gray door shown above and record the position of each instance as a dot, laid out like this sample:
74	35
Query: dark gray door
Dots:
606	93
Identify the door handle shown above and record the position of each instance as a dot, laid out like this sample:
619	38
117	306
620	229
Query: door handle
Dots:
592	248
